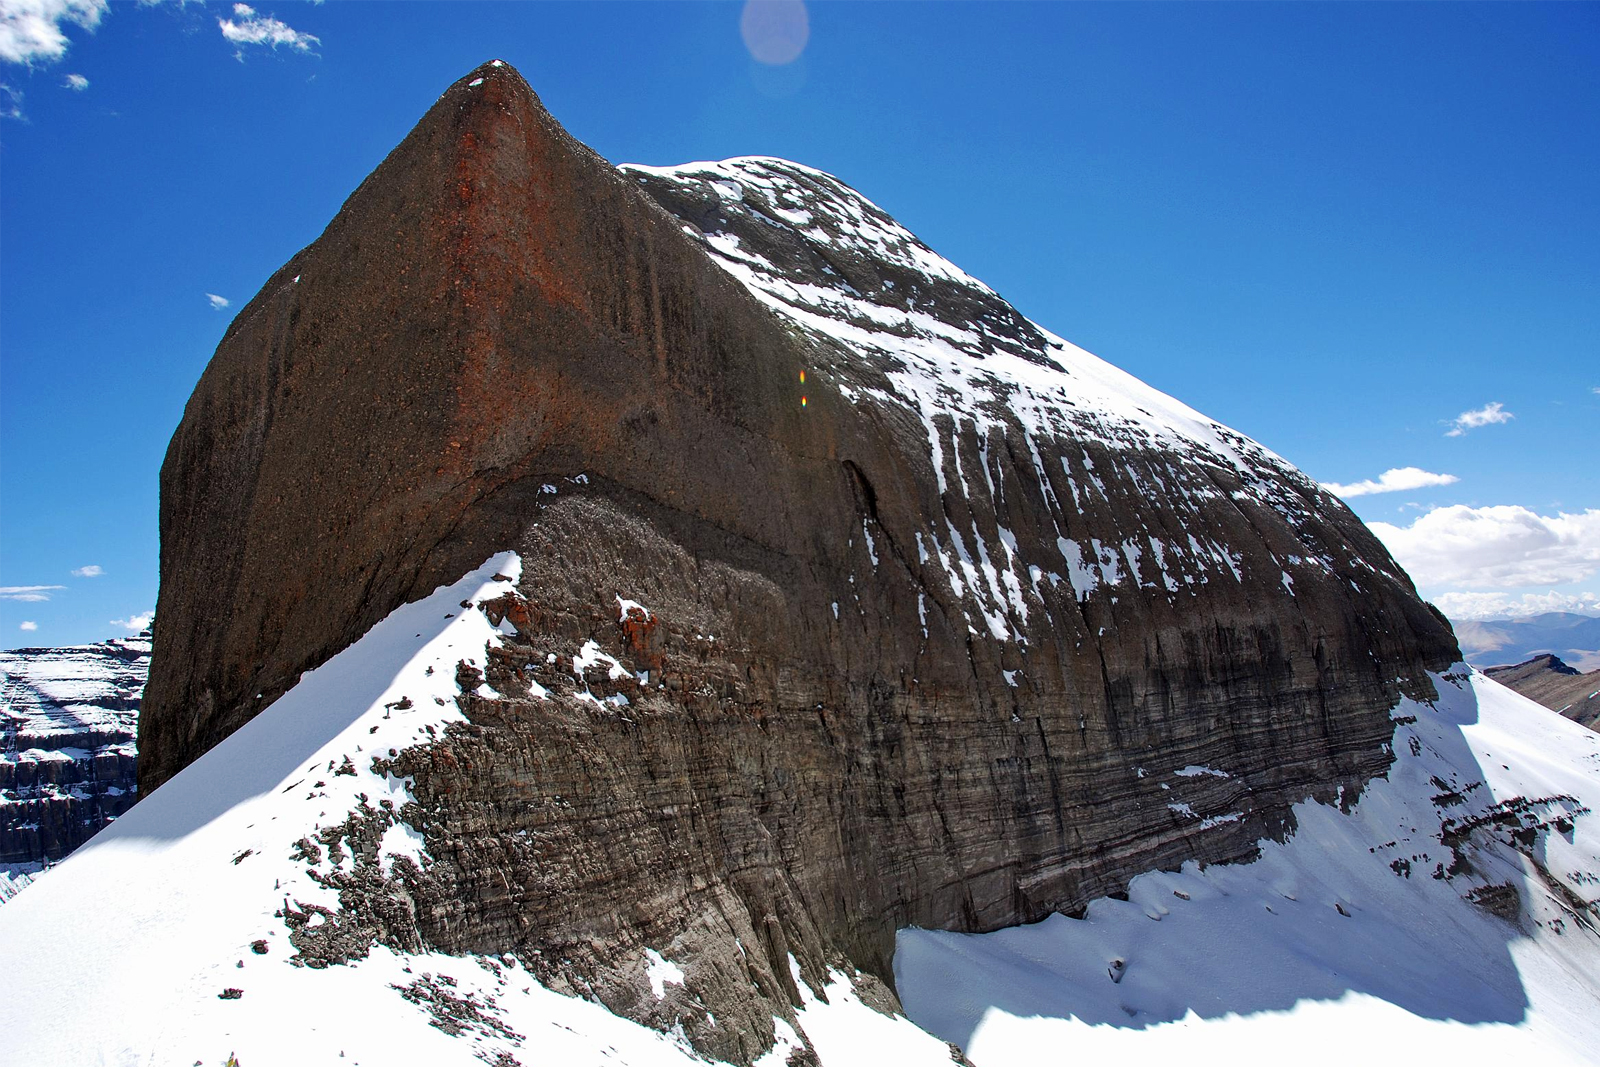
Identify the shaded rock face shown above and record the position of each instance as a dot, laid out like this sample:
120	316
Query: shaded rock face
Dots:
974	632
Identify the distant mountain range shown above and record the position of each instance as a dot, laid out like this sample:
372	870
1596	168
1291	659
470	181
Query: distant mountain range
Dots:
1496	642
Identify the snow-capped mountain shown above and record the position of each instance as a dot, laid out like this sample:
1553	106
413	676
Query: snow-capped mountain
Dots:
828	601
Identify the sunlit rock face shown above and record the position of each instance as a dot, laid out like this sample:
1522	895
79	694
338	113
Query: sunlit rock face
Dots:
902	610
67	753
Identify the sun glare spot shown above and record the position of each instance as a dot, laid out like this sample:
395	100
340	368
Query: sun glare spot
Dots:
775	31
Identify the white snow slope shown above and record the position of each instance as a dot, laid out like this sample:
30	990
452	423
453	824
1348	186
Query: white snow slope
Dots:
1340	944
120	955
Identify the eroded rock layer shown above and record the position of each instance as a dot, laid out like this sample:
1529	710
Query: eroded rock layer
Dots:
903	611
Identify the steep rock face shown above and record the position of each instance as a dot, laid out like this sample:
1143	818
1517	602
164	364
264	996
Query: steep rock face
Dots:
67	755
902	611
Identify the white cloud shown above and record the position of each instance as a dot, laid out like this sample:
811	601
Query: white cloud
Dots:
1394	480
28	626
218	302
1501	547
30	30
263	30
30	593
135	623
76	82
1466	606
93	570
10	103
1484	416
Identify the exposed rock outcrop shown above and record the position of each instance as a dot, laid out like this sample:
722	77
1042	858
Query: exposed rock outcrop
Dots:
1549	681
903	611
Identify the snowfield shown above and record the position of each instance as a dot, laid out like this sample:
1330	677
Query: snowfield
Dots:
164	940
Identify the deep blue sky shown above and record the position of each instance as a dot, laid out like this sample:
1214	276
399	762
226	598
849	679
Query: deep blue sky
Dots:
1333	227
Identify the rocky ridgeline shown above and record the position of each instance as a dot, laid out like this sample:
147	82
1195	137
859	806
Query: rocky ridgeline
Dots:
1549	681
903	611
67	752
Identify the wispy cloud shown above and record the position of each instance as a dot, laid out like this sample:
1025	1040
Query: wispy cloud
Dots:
252	28
1484	416
135	623
1394	480
1462	606
26	625
218	302
1502	547
30	593
31	30
93	570
76	82
10	102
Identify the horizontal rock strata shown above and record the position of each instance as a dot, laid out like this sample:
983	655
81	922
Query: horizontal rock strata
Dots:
67	756
915	614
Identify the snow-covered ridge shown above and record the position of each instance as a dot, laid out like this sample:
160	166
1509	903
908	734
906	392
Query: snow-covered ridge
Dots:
191	908
937	364
909	329
803	197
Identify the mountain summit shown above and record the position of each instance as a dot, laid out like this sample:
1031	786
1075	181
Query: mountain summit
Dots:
827	595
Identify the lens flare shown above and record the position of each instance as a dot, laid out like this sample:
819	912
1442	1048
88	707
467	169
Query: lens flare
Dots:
775	31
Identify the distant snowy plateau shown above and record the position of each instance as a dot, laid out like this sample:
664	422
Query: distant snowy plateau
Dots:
67	721
1447	913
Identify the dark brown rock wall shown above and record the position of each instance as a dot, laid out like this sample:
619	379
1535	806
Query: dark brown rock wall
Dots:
503	342
386	419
